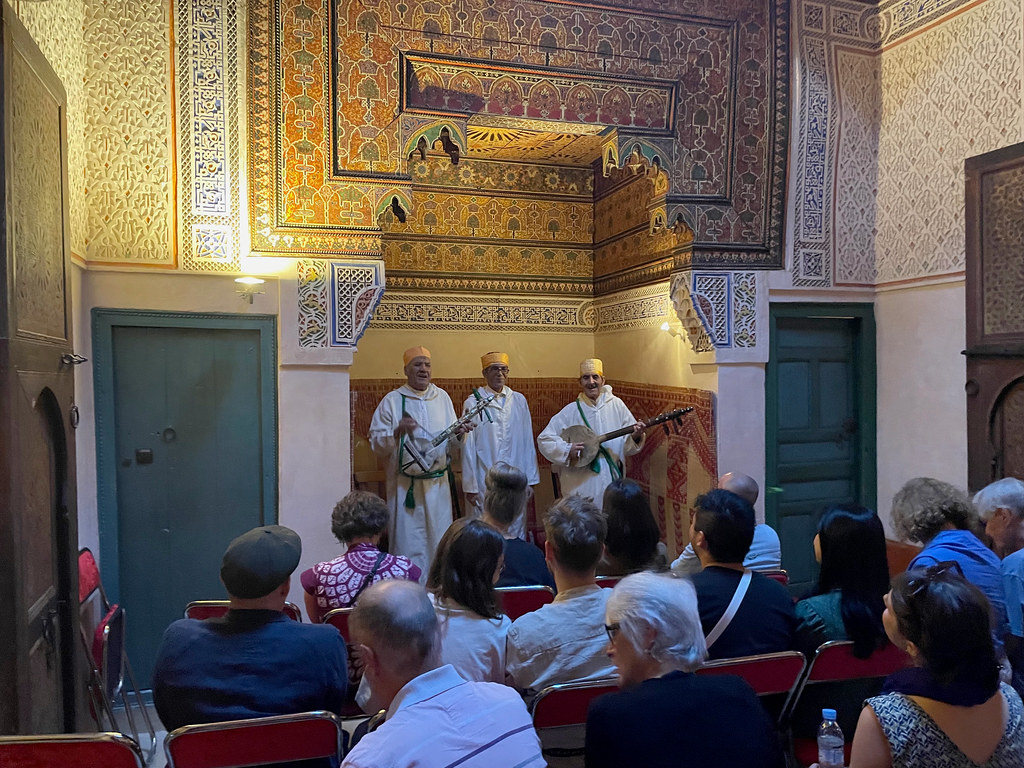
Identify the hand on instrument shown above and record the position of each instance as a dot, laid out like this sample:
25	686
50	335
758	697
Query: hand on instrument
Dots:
406	426
638	431
471	499
464	428
575	451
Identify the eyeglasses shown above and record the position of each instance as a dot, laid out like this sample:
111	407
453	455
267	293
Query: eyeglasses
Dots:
922	578
612	630
498	369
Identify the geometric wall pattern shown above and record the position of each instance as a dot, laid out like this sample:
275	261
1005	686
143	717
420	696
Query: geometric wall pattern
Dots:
718	310
336	300
207	38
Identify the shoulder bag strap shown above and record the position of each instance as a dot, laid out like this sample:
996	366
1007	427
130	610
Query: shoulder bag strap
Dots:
731	609
369	578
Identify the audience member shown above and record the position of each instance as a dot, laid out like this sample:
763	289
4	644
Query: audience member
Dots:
940	516
358	521
633	536
765	553
504	503
461	587
846	602
564	641
743	612
434	718
254	661
949	709
1000	506
665	715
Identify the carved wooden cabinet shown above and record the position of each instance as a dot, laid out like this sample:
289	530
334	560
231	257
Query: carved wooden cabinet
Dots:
995	315
38	523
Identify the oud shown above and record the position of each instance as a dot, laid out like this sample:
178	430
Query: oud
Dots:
578	433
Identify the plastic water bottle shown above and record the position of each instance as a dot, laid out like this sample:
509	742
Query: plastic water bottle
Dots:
830	741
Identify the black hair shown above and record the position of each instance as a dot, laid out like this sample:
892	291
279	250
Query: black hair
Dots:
360	513
727	522
854	561
464	566
950	621
633	534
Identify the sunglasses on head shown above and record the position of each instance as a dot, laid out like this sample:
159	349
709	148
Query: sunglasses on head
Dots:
924	577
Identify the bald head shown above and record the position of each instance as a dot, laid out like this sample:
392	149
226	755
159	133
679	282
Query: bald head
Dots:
396	619
742	485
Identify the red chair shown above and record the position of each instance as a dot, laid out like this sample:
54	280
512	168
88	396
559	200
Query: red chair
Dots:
833	667
516	601
607	581
93	750
338	618
214	609
566	705
780	576
256	741
769	674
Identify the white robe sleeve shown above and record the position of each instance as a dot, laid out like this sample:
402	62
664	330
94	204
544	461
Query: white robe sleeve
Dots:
525	453
550	442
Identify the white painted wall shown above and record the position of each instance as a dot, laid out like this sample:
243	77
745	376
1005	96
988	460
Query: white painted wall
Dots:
740	412
922	412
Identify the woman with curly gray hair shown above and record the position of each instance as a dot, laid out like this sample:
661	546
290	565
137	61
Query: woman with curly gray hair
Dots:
665	715
941	517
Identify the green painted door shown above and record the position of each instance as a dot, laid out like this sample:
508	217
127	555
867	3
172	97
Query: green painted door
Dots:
820	428
189	468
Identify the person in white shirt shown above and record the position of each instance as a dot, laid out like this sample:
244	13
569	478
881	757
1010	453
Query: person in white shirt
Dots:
404	423
765	552
565	641
434	717
505	434
597	408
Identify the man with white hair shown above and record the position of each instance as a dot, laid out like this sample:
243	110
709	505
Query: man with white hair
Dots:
602	412
666	716
435	718
1000	506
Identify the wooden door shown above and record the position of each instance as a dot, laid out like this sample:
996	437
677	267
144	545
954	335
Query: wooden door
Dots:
192	438
820	424
38	524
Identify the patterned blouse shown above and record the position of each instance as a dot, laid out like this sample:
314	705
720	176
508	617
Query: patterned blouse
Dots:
917	742
336	583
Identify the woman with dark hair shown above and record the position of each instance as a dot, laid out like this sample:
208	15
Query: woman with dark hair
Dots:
846	603
633	542
948	709
358	522
461	585
504	503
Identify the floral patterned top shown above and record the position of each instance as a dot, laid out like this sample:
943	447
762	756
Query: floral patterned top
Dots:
337	582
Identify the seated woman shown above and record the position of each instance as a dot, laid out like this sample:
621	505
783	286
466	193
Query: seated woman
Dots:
846	603
633	541
358	522
461	586
941	517
504	501
665	715
949	709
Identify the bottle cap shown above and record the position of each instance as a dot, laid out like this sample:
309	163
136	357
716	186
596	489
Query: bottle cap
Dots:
828	714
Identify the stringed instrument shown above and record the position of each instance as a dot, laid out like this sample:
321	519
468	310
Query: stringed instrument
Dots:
578	433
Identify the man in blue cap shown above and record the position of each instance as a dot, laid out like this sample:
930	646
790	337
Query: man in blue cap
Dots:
255	661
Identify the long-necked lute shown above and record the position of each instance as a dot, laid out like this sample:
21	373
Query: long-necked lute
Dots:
578	433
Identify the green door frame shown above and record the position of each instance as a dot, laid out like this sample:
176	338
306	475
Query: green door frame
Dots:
103	323
867	393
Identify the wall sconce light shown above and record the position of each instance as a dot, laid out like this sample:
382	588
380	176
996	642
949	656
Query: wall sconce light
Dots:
249	287
673	329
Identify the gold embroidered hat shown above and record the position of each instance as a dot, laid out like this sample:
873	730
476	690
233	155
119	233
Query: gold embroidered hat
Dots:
413	352
493	358
592	365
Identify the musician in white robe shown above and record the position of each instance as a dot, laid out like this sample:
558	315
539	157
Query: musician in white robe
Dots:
403	425
597	408
506	436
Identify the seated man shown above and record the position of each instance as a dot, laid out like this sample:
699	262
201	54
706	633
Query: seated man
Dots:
765	553
254	661
564	641
434	716
721	529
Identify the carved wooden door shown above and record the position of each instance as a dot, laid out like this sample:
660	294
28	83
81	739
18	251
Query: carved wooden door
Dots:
38	524
995	315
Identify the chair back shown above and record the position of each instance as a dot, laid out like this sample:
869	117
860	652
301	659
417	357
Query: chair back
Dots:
88	574
567	704
215	609
834	661
112	651
92	750
608	582
766	673
779	575
516	601
338	618
256	741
